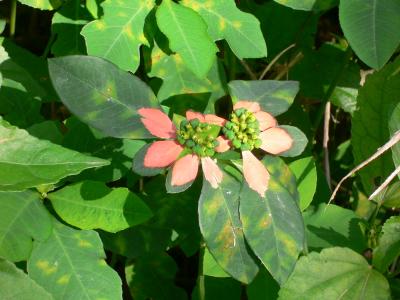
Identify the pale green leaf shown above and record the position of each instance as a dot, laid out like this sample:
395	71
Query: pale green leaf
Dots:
309	4
42	4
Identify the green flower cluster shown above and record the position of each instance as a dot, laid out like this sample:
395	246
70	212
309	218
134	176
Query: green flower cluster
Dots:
197	138
243	130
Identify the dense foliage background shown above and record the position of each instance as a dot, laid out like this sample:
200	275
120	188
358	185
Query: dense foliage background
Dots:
77	222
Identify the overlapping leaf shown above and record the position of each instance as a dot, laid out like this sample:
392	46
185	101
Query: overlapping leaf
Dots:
28	162
371	27
335	273
222	228
70	265
42	4
309	4
273	225
225	21
102	95
15	284
23	218
118	36
187	34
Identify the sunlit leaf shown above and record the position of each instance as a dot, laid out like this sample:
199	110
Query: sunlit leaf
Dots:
309	4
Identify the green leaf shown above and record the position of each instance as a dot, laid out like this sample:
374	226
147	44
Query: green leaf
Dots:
222	230
23	218
299	141
274	96
70	265
391	196
273	225
309	4
42	4
118	36
15	284
225	21
370	130
67	24
211	267
101	95
219	289
47	130
332	225
335	273
187	34
92	205
371	27
389	244
263	287
306	177
394	124
138	163
28	162
156	269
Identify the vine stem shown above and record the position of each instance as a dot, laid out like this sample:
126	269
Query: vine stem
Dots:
201	283
269	66
13	17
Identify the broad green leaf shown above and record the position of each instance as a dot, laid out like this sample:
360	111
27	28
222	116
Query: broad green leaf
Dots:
394	122
93	205
42	4
263	287
102	95
70	265
389	244
67	24
118	36
47	130
225	21
332	225
26	161
179	79
306	177
15	284
335	273
150	271
316	5
218	289
391	196
187	34
299	141
274	96
273	225
372	28
211	267
370	129
222	230
23	218
138	163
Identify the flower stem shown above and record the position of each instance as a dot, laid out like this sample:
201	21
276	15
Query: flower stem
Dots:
200	282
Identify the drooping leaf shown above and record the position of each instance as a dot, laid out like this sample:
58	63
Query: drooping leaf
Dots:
42	4
23	218
389	244
70	265
92	205
370	129
335	273
371	27
187	34
26	161
274	97
273	225
332	225
15	284
225	21
67	24
309	4
102	95
154	270
118	36
222	229
306	177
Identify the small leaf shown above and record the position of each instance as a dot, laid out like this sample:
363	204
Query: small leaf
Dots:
273	225
274	97
15	284
187	33
118	36
335	273
389	244
102	95
28	162
92	205
371	27
70	265
23	218
225	21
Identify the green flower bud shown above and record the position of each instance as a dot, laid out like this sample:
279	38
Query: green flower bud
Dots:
229	125
183	124
244	140
230	135
195	123
180	139
209	152
250	130
199	129
243	125
236	143
210	138
251	118
215	143
190	143
258	143
245	147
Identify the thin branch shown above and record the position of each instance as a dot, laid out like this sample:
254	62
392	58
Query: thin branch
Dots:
13	17
385	183
395	139
325	144
248	70
275	60
291	64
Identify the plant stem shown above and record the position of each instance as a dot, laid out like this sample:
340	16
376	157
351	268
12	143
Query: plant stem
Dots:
13	17
275	60
201	283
